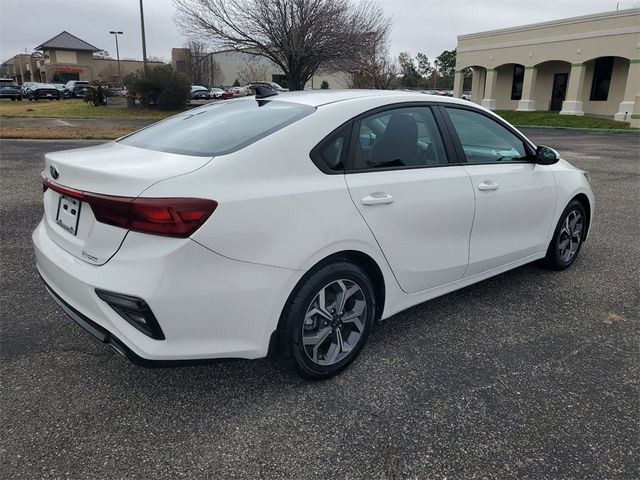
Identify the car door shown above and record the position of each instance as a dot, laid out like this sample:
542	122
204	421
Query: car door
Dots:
515	197
417	204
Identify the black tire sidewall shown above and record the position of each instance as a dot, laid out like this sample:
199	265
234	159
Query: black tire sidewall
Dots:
291	333
553	254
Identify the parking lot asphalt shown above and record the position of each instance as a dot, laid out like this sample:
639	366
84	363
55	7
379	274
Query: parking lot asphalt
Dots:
520	376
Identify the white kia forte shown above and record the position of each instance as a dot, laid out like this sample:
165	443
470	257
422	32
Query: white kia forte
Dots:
292	222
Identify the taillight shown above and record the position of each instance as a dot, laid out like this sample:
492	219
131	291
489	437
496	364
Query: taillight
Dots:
174	217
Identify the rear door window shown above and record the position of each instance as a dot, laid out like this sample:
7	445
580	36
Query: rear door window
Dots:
218	129
399	138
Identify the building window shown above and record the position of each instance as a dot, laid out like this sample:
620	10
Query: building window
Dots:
518	80
181	66
601	79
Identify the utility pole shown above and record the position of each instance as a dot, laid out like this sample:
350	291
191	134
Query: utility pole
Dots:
435	74
116	33
144	42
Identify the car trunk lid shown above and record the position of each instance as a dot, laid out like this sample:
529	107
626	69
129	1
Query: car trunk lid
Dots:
111	169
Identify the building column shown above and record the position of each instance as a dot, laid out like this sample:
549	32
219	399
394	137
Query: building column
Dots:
477	84
489	100
572	104
457	83
635	116
527	103
626	107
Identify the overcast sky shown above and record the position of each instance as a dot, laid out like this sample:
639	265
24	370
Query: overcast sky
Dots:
427	26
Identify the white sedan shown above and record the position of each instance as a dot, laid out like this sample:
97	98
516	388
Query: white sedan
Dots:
292	222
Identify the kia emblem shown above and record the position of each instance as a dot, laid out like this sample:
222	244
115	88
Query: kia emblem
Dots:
54	172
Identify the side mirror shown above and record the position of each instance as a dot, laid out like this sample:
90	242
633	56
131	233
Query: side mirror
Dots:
546	155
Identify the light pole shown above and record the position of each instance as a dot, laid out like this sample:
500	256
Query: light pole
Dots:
115	33
435	74
144	41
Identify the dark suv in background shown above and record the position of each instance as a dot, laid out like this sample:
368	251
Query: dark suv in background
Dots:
77	88
10	90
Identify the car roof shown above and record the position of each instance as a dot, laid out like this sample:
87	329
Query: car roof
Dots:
317	98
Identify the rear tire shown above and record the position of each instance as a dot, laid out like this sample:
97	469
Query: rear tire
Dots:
327	320
567	238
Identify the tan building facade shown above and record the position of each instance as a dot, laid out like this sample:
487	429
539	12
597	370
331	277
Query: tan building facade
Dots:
66	57
575	66
235	65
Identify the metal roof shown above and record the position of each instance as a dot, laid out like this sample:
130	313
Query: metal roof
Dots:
66	41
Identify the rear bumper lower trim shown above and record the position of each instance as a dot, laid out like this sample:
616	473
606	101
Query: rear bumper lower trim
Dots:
105	336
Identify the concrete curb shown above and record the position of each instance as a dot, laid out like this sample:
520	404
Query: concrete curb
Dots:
584	129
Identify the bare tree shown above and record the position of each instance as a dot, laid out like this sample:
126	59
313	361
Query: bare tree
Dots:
254	69
214	71
373	67
299	36
198	61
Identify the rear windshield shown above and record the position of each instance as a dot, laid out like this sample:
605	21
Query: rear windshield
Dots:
218	129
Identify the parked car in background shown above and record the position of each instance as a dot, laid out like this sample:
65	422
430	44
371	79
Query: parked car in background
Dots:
199	92
61	89
241	91
7	80
44	91
217	93
77	88
26	86
321	213
466	95
10	90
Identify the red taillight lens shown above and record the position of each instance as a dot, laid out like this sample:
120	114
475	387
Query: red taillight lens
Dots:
174	217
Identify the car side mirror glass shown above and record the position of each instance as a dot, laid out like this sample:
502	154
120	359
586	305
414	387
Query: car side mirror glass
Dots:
546	155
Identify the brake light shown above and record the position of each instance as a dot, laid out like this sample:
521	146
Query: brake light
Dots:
174	217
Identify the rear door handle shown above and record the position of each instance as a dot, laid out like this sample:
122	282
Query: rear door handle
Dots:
377	198
488	185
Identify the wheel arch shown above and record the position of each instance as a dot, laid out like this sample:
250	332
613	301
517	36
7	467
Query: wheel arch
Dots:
356	257
586	204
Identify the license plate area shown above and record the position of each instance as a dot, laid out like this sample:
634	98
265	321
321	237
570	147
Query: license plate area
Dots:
68	214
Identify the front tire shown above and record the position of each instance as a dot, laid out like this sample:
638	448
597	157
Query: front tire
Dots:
567	238
327	320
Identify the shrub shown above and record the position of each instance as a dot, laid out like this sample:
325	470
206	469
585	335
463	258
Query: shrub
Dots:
164	88
324	85
97	93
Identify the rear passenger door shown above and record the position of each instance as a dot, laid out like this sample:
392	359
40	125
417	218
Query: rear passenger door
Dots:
418	205
515	197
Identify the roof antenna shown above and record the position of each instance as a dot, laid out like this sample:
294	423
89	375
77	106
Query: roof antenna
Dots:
262	91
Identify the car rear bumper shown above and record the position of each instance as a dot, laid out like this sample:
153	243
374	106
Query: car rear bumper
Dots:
208	306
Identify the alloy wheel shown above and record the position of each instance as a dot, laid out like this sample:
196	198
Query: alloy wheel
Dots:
570	236
334	322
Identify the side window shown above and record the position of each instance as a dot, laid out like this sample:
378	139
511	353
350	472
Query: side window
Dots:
485	140
331	153
402	137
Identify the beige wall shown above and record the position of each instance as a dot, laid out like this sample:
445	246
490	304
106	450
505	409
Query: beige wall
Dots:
232	63
616	88
554	47
504	82
571	40
544	82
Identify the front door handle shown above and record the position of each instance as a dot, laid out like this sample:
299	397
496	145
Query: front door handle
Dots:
377	198
488	185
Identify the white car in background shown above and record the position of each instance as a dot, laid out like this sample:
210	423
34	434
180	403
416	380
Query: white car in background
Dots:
321	213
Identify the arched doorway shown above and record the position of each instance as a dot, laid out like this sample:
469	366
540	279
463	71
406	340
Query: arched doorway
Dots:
552	81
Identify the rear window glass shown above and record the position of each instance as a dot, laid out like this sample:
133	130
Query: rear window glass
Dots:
218	129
